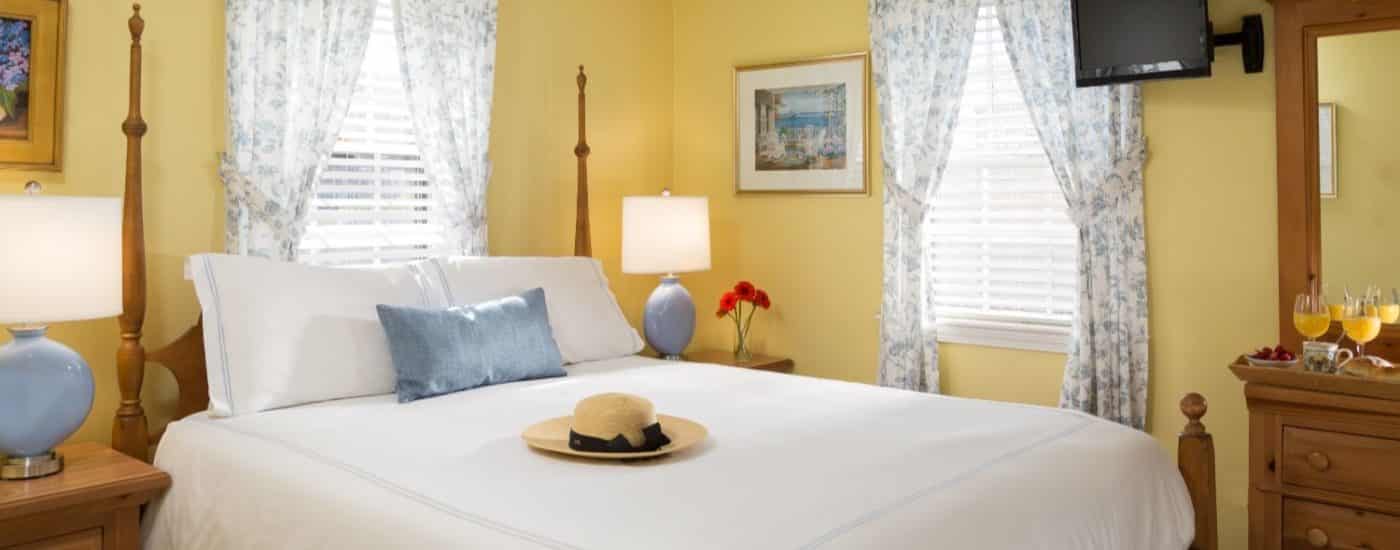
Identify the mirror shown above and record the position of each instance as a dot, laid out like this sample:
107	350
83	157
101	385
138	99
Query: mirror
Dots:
1335	59
1358	102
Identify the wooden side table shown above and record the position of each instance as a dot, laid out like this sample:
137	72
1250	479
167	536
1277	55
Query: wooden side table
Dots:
759	362
93	504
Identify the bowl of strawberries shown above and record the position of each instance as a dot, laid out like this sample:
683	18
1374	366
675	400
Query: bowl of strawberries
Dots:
1276	356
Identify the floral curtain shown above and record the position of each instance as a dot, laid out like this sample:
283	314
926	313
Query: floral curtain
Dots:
292	66
447	50
920	53
1094	139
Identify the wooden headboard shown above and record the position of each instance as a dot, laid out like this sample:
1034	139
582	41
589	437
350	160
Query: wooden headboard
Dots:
184	357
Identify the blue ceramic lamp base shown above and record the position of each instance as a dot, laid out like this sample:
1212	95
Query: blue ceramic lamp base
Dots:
46	392
669	319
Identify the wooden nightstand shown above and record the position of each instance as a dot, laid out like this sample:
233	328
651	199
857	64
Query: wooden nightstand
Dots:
93	504
760	362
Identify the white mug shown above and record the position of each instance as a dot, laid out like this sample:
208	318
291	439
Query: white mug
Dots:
1324	357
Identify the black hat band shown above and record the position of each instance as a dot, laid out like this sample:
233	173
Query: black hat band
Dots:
655	439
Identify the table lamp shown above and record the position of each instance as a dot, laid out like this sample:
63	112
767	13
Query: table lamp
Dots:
664	236
60	260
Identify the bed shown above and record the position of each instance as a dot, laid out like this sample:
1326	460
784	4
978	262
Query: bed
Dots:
794	462
791	462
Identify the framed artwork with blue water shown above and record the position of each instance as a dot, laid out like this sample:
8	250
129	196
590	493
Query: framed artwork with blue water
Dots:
802	126
31	83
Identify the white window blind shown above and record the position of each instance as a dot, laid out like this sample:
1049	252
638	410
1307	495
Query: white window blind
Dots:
373	202
1002	246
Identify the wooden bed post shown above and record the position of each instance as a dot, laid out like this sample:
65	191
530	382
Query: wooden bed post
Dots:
583	244
1195	456
184	357
129	429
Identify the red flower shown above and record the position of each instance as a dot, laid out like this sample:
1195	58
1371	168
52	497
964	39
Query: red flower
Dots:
728	302
761	300
745	290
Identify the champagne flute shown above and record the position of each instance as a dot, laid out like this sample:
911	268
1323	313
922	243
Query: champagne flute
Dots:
1310	316
1361	322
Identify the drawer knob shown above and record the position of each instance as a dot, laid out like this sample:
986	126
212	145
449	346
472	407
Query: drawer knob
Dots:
1319	461
1317	538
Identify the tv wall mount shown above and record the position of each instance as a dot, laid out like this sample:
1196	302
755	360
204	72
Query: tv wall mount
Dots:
1250	39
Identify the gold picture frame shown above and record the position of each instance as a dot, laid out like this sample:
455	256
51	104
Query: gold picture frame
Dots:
795	176
33	34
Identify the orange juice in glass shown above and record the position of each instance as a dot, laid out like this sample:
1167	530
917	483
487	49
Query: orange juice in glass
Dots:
1335	307
1311	316
1390	311
1335	310
1361	322
1362	329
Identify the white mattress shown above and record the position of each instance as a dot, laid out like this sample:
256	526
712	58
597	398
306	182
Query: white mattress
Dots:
791	462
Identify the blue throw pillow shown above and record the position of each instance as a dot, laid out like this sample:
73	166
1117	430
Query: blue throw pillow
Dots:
438	351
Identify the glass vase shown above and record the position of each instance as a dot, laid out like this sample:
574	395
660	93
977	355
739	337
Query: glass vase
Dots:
741	344
741	351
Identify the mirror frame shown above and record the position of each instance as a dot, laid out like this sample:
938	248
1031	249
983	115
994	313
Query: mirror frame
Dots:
1298	24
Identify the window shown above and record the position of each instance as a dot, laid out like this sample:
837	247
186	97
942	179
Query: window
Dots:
374	203
1002	246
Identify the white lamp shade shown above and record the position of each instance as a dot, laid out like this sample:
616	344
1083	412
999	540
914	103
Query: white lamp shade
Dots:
60	258
665	234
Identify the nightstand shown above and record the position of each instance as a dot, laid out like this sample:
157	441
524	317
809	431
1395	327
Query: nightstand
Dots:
759	362
93	504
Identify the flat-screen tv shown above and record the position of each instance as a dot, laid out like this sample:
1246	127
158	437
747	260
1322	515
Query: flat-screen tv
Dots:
1130	40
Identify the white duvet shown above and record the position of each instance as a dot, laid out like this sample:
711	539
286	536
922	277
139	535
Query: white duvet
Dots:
791	462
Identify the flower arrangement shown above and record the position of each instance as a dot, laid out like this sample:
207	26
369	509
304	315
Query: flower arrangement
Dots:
731	305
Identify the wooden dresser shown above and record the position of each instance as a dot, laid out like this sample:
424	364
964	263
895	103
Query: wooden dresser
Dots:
1324	460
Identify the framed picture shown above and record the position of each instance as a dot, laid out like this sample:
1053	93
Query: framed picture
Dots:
31	83
803	126
1327	149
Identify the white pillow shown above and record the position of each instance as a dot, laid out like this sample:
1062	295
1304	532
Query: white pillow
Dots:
588	325
279	334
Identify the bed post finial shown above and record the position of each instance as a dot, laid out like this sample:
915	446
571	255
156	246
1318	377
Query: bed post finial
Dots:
1196	459
1194	407
129	429
583	242
136	24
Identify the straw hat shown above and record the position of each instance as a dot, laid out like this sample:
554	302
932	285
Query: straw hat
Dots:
617	426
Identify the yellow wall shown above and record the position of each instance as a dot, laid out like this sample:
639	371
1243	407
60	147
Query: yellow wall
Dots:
819	257
1210	228
625	46
1212	251
184	105
1353	72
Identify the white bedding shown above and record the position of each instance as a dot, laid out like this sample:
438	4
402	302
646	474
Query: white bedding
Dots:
791	462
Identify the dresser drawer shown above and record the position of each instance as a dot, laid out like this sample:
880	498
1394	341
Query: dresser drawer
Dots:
1346	463
90	539
1309	525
